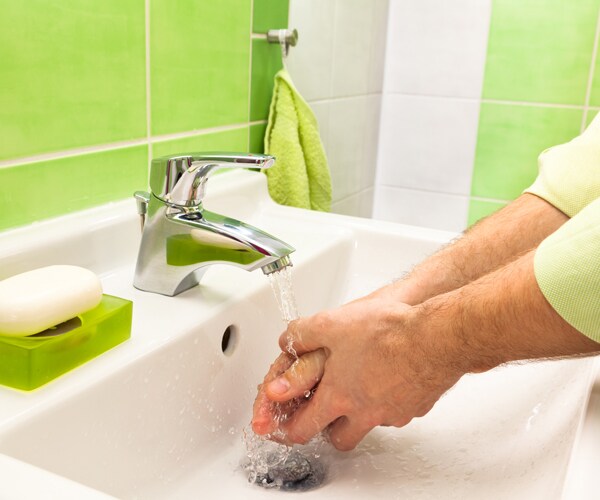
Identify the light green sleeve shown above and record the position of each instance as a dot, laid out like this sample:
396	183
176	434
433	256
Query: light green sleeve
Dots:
567	270
569	174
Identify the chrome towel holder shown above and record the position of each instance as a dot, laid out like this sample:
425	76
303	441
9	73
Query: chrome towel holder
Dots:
285	37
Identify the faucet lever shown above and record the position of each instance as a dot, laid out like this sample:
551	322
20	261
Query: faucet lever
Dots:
180	179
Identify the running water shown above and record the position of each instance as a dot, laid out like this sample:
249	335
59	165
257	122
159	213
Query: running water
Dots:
281	283
270	464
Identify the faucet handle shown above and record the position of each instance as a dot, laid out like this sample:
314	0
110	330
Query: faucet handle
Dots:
180	179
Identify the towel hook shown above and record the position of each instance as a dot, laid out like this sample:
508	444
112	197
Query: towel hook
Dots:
285	37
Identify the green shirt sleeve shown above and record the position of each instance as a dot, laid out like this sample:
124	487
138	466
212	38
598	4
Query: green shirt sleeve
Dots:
569	174
567	270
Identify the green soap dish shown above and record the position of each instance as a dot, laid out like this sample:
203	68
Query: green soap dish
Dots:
29	362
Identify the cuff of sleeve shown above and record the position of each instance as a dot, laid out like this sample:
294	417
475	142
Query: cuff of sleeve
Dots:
567	270
540	189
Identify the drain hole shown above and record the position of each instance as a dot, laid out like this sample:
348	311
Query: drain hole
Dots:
229	340
296	473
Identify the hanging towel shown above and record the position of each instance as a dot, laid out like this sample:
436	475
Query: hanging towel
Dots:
300	176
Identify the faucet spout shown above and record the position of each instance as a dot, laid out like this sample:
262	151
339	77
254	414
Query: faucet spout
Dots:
180	241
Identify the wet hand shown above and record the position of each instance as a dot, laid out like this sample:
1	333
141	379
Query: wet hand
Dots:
373	370
288	378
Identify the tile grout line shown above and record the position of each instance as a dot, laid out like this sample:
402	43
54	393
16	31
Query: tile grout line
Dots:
480	101
57	155
342	98
334	30
495	101
250	73
72	152
148	95
493	200
445	193
199	132
384	92
356	193
588	91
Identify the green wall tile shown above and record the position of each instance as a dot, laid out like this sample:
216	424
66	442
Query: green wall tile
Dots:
70	184
270	14
595	91
199	64
266	61
72	74
230	140
510	138
540	50
478	209
257	138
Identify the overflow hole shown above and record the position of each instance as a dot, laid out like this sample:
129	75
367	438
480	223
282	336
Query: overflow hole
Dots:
229	340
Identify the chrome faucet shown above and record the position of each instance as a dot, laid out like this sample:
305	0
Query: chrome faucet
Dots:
180	239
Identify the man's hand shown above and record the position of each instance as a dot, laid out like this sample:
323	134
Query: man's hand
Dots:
373	373
288	378
384	363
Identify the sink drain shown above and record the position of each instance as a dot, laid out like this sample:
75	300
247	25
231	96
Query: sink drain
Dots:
297	473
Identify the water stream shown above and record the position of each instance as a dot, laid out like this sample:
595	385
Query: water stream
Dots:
270	464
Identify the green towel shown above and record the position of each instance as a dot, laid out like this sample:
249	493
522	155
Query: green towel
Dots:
300	176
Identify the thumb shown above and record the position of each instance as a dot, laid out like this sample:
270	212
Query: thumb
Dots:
302	376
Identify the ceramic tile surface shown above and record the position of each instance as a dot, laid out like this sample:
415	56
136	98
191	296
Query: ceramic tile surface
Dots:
270	14
256	139
353	37
356	205
510	139
436	47
199	59
266	62
229	140
352	143
540	51
309	63
421	208
428	143
64	184
72	75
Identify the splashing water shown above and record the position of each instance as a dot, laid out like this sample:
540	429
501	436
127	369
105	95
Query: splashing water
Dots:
269	463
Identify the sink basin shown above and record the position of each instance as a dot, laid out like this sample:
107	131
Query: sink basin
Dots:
161	416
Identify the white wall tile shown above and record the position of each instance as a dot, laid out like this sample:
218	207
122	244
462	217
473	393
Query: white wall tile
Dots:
421	208
437	47
357	205
378	45
428	143
321	111
359	47
352	144
309	62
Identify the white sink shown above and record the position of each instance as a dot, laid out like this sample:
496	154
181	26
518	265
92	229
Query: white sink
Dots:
161	415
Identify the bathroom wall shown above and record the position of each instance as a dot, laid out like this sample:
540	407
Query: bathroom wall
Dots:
91	90
338	67
474	90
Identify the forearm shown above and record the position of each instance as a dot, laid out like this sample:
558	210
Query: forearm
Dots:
488	245
499	318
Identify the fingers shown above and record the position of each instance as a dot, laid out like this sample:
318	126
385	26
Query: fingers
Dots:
345	434
310	419
263	418
302	376
306	334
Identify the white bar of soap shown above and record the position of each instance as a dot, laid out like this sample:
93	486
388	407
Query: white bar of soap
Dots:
36	300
